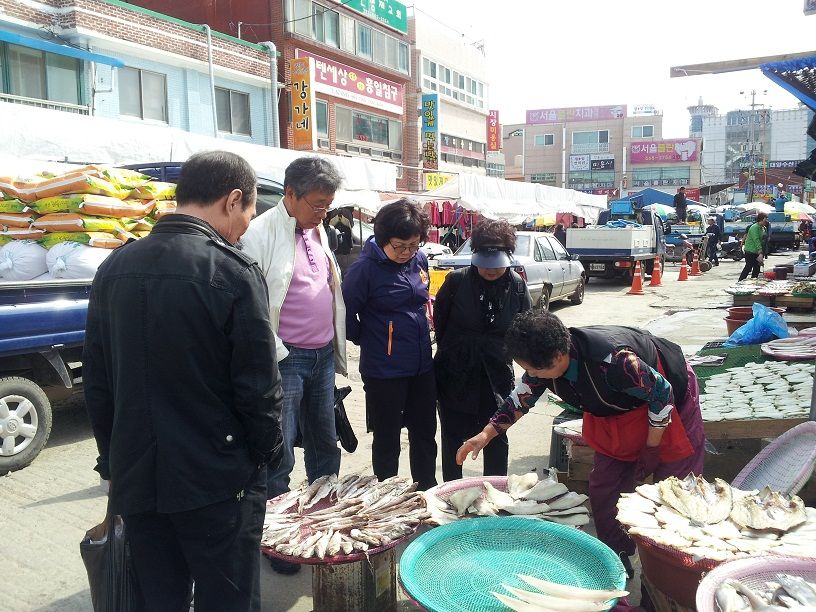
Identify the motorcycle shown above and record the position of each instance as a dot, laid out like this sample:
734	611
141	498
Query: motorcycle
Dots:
732	249
679	246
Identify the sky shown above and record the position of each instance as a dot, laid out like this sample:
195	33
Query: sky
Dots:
563	53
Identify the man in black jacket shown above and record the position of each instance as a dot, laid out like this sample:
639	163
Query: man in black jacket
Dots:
680	204
183	392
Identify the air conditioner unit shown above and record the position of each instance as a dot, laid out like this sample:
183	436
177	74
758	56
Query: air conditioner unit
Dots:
323	143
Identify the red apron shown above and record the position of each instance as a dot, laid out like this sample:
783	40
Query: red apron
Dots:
623	436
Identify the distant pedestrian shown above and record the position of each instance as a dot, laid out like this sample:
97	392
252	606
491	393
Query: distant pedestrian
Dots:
680	204
714	235
753	246
183	393
307	318
386	294
560	234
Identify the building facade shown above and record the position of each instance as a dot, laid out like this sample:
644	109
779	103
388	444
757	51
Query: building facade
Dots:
600	150
454	70
113	59
769	143
361	66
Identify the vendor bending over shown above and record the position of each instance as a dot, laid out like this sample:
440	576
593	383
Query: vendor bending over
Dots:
639	399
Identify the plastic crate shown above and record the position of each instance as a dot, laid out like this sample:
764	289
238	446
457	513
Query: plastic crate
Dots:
559	459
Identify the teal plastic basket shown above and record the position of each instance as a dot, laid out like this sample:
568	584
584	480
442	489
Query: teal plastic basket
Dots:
455	567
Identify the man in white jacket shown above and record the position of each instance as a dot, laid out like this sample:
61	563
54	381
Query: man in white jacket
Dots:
308	317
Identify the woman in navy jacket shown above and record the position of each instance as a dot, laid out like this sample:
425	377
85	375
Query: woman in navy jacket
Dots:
386	292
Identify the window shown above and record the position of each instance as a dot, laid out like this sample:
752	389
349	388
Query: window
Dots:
457	86
143	94
642	131
544	140
661	177
232	111
322	118
30	73
596	137
326	24
363	41
347	34
558	249
378	47
403	64
355	127
545	250
302	17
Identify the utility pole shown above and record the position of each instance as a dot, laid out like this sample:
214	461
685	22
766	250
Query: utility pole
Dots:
751	176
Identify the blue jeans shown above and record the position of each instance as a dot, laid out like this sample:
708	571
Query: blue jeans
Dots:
307	377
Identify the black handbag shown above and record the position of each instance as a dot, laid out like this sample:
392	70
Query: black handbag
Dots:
342	426
106	555
345	433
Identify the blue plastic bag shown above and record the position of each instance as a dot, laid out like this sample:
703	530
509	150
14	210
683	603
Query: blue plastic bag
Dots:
765	325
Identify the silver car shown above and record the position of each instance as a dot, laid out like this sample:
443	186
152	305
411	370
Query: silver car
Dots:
550	271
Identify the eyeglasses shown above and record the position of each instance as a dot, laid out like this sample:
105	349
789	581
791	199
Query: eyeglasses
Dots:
410	248
316	209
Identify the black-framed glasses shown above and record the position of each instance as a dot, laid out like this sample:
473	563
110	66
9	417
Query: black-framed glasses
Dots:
408	248
316	209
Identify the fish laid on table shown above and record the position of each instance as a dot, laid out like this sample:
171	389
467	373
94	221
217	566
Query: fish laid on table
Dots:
699	500
787	593
361	512
769	510
526	495
556	597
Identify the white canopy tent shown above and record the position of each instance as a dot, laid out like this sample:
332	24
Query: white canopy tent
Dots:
33	134
516	201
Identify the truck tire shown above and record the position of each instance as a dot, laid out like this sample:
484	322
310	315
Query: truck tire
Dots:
705	266
544	300
578	297
25	422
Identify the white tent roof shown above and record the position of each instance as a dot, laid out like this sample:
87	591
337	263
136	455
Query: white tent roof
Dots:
517	201
38	134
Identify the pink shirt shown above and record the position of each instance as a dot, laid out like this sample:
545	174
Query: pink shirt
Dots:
307	313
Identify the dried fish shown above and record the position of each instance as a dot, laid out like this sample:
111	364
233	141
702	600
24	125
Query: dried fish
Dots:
565	604
545	490
323	491
519	485
769	510
570	500
696	498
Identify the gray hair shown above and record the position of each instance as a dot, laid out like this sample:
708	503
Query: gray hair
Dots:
308	174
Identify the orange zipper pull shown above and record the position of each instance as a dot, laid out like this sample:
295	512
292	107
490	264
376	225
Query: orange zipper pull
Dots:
390	335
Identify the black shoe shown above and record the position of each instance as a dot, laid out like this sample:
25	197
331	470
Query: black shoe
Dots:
283	567
627	565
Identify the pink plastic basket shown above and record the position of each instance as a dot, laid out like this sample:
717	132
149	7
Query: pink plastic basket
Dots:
753	573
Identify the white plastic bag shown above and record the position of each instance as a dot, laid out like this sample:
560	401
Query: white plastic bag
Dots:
22	260
72	260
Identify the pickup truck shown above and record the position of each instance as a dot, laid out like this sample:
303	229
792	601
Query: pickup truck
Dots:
42	330
612	251
550	272
41	337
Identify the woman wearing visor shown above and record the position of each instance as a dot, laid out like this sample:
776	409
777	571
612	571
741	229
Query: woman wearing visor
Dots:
473	310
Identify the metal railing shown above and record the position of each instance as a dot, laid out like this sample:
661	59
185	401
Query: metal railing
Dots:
49	104
594	147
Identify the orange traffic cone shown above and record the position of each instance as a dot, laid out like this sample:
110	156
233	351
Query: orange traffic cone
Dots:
637	282
656	277
695	266
683	270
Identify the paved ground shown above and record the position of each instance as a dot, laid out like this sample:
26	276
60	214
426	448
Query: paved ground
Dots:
46	508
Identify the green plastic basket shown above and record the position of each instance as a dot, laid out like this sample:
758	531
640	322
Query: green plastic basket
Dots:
455	567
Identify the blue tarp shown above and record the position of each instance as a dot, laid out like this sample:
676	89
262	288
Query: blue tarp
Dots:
50	47
795	76
655	196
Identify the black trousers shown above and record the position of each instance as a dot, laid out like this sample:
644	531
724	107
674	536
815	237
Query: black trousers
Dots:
392	403
216	546
712	252
751	265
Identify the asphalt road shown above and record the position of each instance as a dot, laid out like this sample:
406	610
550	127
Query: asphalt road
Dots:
46	508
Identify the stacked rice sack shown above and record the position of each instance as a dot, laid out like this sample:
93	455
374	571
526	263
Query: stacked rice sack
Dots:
63	226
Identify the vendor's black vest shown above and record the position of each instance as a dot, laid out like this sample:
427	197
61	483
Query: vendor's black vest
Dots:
594	343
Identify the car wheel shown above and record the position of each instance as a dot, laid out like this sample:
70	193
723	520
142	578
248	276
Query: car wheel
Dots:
25	422
544	300
578	296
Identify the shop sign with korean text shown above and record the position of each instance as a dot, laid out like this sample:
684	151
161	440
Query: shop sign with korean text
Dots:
602	161
663	151
579	163
387	12
493	131
582	113
434	180
789	164
430	131
301	95
342	81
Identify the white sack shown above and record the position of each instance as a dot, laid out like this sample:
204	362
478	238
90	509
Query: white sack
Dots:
74	261
22	260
